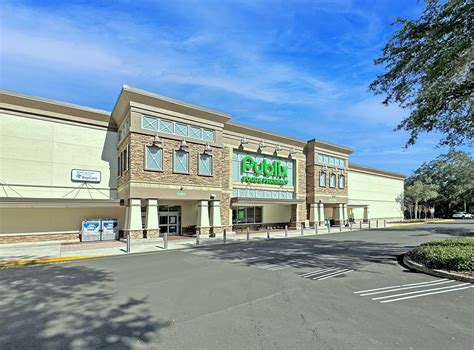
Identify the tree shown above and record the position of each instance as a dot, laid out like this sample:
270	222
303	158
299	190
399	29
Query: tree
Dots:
453	173
421	192
429	69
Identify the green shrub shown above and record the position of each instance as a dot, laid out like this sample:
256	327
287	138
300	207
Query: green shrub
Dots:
447	254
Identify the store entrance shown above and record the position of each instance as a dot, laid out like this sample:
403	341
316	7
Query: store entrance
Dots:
170	219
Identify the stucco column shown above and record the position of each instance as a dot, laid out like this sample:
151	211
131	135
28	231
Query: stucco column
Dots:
134	219
321	213
152	228
340	214
216	216
345	212
203	217
313	213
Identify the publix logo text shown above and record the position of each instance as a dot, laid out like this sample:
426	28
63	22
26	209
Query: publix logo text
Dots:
274	172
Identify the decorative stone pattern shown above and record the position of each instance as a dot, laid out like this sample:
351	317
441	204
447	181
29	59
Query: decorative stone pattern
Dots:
152	233
39	238
134	233
225	205
312	175
168	176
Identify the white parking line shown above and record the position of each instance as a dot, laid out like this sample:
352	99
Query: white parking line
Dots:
405	288
332	274
337	274
418	291
398	286
317	272
422	295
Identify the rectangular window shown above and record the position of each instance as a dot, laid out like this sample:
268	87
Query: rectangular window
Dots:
332	180
125	159
246	215
205	164
342	181
322	179
153	158
181	162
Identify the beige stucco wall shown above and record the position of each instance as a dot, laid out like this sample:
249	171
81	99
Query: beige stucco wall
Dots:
53	220
380	193
37	152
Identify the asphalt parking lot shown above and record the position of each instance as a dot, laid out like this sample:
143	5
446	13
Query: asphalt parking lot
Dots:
335	291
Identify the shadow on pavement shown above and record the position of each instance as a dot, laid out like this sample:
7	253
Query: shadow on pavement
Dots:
70	307
454	229
311	252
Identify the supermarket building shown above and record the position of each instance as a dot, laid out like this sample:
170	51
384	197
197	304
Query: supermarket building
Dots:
160	165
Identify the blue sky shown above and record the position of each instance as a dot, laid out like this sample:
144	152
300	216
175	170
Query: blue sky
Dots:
300	68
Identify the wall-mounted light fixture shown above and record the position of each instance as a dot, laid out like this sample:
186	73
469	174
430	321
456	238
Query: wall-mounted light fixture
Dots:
156	140
277	148
244	141
183	144
261	145
208	148
292	150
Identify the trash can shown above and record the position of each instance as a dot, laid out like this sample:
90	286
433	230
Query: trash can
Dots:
109	230
90	230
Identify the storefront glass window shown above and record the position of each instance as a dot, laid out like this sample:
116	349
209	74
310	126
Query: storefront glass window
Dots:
246	215
205	164
332	180
322	179
153	158
181	162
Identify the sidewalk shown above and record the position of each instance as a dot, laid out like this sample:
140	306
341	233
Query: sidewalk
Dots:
24	253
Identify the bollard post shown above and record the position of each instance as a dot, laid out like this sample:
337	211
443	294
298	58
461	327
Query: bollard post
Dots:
268	232
315	228
329	226
224	235
129	248
198	233
286	230
302	229
248	234
369	224
360	224
384	223
377	223
165	240
350	226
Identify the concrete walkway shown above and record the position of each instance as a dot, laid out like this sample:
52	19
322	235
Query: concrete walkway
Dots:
21	253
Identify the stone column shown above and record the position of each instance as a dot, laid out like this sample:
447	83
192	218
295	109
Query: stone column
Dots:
216	225
340	214
134	219
152	228
298	215
313	213
203	217
321	213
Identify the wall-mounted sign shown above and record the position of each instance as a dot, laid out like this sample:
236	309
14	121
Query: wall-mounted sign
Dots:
181	194
78	175
273	172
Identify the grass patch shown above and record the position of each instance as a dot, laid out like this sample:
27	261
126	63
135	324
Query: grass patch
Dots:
447	254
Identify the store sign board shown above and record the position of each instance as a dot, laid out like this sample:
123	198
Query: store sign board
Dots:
273	172
78	175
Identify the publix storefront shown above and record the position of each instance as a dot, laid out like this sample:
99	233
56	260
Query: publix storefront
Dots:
263	190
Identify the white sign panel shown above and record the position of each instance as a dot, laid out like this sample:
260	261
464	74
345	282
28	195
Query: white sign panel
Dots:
78	175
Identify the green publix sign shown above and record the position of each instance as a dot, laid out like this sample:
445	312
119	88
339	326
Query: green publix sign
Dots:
274	172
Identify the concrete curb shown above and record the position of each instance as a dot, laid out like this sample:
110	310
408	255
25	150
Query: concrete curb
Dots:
39	261
438	273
